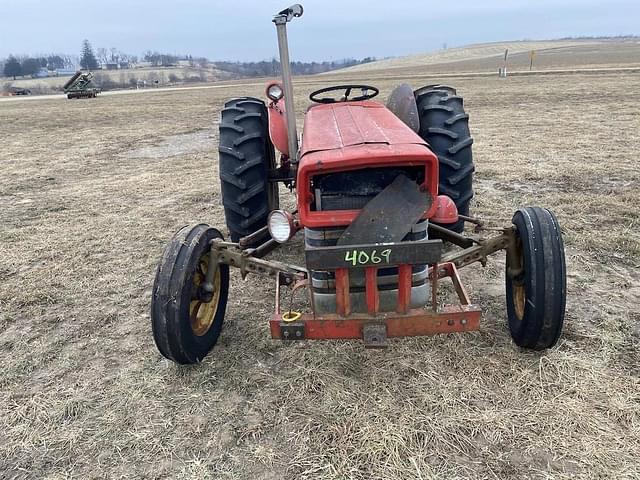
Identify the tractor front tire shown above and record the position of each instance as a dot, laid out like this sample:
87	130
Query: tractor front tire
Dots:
536	298
246	155
444	125
185	327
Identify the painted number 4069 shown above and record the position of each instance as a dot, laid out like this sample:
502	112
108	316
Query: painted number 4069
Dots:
360	257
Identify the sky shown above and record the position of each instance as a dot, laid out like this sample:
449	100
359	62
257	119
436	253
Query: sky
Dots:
328	30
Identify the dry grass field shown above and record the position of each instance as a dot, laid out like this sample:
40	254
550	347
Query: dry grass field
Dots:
467	53
91	190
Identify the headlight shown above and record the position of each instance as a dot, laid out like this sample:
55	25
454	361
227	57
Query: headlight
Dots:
281	225
274	92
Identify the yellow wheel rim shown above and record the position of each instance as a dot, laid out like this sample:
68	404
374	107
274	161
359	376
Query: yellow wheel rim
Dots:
519	293
201	314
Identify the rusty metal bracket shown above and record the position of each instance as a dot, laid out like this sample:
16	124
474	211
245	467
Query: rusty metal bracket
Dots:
231	254
451	236
480	252
374	335
292	331
244	242
474	220
449	270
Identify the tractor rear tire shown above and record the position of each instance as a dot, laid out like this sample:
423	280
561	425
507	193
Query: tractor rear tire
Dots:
444	125
536	298
246	155
437	86
186	327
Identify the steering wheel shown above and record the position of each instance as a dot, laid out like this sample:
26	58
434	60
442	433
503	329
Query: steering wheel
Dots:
347	91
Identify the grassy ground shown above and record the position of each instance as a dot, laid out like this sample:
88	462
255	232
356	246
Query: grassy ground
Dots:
90	192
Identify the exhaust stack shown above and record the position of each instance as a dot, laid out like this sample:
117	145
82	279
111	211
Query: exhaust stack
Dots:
281	20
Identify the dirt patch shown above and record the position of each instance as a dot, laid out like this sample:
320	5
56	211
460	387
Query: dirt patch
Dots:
173	145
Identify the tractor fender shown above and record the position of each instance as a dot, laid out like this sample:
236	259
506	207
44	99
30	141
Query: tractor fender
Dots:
278	126
402	102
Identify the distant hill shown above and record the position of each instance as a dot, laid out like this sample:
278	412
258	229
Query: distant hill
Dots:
549	54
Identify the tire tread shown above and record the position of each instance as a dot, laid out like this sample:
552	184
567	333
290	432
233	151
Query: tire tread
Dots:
544	280
444	126
245	157
169	314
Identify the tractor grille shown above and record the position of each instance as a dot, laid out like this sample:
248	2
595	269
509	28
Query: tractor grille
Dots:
352	190
324	282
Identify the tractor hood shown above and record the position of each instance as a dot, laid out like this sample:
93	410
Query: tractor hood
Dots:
352	137
338	125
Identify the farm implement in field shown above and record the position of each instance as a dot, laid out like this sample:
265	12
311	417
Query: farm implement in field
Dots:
382	199
80	85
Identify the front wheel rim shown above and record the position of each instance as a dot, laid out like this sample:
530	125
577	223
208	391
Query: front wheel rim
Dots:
518	291
202	314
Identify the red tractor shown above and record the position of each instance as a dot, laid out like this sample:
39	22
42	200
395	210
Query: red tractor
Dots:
383	197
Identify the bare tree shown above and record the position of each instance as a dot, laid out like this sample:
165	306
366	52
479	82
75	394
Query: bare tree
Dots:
115	55
102	55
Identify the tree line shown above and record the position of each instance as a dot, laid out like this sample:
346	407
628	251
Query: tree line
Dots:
105	56
271	68
25	66
16	66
